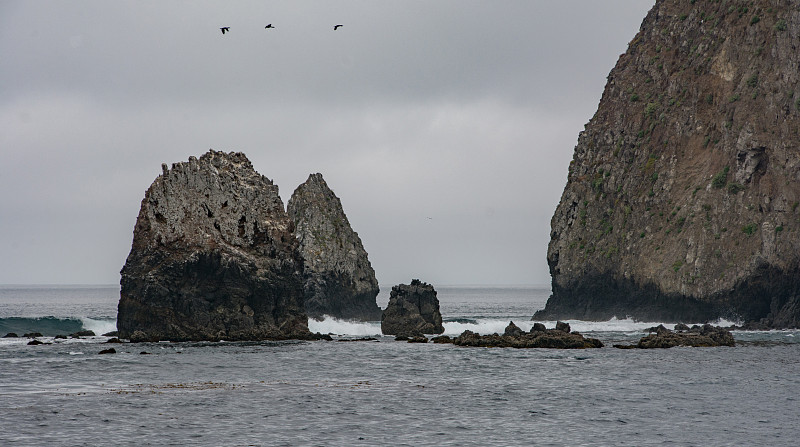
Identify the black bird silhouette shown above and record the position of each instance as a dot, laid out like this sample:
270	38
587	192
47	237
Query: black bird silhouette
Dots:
225	28
269	26
336	27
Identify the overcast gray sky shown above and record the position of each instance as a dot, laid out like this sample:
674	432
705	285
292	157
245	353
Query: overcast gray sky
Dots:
445	127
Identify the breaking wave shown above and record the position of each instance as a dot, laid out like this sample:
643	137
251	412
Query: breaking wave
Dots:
52	326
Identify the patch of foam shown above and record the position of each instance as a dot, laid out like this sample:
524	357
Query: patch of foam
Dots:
99	326
330	325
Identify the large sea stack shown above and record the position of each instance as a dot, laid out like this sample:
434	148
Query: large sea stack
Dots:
339	280
214	257
682	196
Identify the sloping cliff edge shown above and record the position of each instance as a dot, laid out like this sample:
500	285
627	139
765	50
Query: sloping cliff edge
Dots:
682	197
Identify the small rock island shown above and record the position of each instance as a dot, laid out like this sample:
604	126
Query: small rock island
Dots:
413	310
339	279
214	257
681	202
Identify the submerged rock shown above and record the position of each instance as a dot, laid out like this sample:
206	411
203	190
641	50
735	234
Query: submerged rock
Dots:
213	257
338	278
681	202
514	337
412	310
11	335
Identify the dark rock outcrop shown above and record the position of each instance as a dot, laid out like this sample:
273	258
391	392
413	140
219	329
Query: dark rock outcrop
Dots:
696	336
11	335
412	310
681	202
338	279
514	337
213	257
84	333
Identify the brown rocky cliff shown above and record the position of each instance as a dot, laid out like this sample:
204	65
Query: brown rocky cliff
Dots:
339	279
682	197
213	257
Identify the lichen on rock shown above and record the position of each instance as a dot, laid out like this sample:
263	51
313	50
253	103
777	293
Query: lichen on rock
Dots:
339	280
681	202
214	257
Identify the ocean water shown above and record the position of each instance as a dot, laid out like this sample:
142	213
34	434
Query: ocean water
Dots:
385	392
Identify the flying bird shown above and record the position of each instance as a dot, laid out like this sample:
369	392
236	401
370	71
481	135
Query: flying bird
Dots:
269	26
335	27
224	29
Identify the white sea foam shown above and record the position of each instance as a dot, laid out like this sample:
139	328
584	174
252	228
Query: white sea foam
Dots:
484	326
99	326
481	326
330	325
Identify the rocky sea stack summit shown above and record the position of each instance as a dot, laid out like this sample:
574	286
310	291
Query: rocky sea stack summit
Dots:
682	196
339	279
413	310
214	257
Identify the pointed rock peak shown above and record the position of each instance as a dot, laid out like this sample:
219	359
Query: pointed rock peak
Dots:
339	280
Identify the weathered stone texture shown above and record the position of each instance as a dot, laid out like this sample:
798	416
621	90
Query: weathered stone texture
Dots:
682	196
213	257
339	279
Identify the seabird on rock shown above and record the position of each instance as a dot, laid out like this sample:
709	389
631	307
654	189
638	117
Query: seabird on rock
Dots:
269	26
335	27
224	29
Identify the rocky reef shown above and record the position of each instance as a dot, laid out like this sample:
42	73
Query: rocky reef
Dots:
214	257
696	336
682	197
412	310
561	337
338	278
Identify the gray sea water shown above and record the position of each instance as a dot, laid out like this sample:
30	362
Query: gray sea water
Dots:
385	392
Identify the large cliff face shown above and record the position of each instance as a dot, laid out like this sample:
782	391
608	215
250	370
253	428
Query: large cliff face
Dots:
682	196
339	280
213	257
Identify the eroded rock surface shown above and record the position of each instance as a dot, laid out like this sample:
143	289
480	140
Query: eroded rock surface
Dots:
682	196
412	310
213	257
339	279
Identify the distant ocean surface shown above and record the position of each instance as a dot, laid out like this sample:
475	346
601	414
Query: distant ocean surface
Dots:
384	392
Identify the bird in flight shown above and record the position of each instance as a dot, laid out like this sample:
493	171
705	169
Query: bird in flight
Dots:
335	27
269	26
225	28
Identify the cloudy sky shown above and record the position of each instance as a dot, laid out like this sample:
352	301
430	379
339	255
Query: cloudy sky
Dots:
445	127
